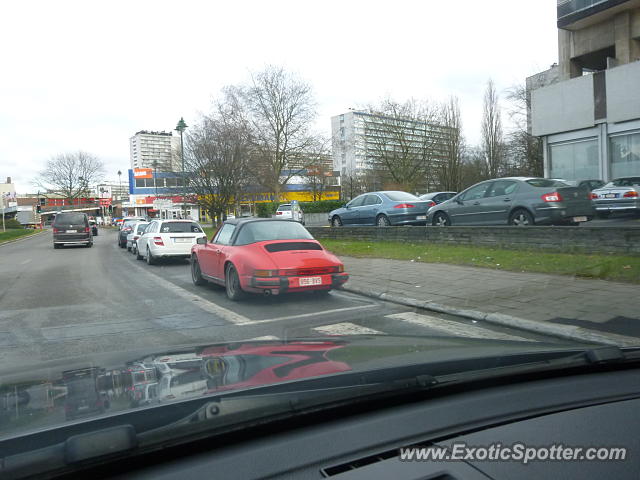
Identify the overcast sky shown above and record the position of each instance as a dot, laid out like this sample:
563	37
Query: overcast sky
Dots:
87	75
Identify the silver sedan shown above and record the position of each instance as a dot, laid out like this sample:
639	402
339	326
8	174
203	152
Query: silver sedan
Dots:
620	195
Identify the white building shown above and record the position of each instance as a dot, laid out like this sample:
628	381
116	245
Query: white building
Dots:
160	150
356	136
113	190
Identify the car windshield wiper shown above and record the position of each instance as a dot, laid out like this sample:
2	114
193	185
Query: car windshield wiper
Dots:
228	411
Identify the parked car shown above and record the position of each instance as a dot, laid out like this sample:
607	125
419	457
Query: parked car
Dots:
268	256
382	209
620	195
290	211
517	201
132	237
125	229
168	238
71	228
437	197
94	227
589	184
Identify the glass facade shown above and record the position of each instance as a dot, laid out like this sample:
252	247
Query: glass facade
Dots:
624	152
575	160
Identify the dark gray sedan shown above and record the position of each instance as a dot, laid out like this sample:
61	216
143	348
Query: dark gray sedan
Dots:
620	195
382	209
517	201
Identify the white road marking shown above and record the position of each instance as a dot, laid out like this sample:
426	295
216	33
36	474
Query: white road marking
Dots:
453	328
24	262
312	314
346	328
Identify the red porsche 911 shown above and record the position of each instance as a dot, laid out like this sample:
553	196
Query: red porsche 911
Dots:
268	256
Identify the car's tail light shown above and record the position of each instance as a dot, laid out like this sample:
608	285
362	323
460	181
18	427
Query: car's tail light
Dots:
404	205
56	230
87	229
158	241
278	213
593	196
340	268
135	237
552	197
265	273
631	194
431	203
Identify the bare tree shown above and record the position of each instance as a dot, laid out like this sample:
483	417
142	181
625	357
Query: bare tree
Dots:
450	169
492	141
71	174
217	159
473	168
318	174
524	150
404	142
280	108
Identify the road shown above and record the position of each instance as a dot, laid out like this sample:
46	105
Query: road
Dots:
76	301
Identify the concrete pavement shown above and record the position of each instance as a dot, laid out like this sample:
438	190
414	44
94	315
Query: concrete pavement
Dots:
583	309
71	302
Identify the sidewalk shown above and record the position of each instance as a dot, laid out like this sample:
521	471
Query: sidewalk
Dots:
576	308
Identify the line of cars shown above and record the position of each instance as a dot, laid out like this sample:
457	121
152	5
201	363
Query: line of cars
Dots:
516	201
245	255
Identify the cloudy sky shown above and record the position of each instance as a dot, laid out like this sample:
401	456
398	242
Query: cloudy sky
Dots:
87	75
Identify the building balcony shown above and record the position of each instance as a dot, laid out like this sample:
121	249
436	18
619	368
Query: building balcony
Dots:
577	14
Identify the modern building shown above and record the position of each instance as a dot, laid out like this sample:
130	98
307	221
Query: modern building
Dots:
587	108
358	136
158	150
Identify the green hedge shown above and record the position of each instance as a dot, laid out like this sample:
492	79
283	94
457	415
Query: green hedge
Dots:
265	210
12	223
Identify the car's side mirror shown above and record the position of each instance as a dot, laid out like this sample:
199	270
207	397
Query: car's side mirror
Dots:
201	240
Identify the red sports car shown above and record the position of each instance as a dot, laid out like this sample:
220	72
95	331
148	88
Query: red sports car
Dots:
268	256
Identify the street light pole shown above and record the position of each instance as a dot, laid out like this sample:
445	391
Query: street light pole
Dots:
180	128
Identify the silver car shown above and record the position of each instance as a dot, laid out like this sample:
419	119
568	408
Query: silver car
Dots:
516	201
132	237
620	195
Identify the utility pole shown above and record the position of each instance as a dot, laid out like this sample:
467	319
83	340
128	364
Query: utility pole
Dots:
181	128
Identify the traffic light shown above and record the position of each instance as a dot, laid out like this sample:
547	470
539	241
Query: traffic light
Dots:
110	208
38	208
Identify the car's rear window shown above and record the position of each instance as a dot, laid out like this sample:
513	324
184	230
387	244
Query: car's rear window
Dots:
400	196
277	230
284	208
69	219
624	182
545	182
180	227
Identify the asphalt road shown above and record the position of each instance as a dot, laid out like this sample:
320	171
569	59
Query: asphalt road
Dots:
76	301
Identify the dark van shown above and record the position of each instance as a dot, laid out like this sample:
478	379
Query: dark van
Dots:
71	228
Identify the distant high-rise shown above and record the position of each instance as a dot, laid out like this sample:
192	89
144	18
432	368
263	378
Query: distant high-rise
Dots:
157	150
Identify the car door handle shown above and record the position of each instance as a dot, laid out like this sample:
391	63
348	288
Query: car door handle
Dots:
506	199
475	203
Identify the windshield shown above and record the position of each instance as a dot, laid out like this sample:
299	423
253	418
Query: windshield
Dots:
180	227
625	182
262	231
288	192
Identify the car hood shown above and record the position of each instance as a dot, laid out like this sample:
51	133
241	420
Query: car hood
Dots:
43	395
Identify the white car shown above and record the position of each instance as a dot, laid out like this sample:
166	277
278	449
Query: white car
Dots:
290	211
132	237
168	238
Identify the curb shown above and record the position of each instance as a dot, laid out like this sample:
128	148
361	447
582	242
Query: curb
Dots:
561	331
19	239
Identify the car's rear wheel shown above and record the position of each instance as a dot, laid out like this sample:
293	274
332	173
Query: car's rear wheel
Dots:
55	245
382	221
90	244
336	221
150	259
521	218
441	219
232	284
196	273
322	293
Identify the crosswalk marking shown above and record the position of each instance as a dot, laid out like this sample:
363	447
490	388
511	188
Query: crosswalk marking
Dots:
346	328
453	328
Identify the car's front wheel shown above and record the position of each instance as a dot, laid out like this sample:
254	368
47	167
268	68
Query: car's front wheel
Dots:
196	273
232	284
336	221
441	219
521	218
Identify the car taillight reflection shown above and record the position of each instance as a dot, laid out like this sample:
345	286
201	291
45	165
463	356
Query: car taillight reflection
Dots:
552	197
